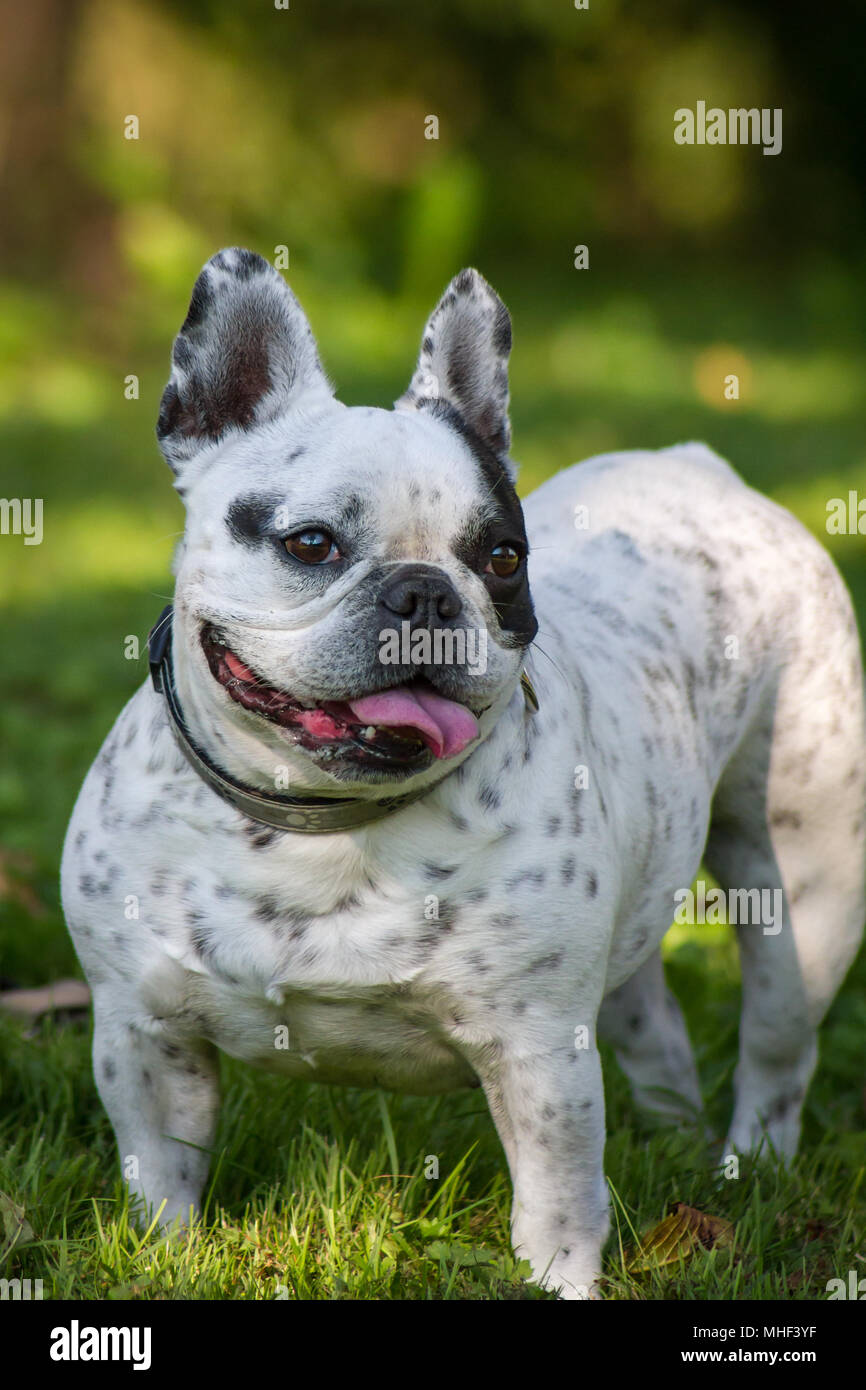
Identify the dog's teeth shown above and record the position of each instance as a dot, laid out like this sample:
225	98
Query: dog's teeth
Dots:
369	732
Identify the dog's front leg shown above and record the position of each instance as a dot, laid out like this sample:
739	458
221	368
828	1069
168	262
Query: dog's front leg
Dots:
162	1097
548	1106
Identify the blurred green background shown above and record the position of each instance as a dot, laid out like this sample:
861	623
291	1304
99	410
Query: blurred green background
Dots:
305	128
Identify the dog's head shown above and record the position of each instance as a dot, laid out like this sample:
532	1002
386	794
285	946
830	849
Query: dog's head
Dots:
352	604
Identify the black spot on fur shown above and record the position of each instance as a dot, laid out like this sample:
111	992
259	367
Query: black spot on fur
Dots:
245	264
447	918
199	305
549	962
261	838
534	877
202	942
439	871
252	518
182	354
477	962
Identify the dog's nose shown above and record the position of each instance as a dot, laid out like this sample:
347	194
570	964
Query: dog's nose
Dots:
421	596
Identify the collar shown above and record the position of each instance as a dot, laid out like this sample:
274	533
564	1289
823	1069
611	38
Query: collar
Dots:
307	815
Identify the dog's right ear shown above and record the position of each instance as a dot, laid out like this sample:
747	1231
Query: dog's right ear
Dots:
245	354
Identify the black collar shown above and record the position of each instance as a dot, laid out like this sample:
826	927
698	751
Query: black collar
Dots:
307	815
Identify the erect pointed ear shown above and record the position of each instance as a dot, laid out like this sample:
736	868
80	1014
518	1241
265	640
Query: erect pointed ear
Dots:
464	359
244	354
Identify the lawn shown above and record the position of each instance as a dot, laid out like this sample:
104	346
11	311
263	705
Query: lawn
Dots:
323	1193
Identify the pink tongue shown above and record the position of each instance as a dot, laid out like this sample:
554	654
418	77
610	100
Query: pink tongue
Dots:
447	726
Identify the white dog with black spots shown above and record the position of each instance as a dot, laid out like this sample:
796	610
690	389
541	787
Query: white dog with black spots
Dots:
699	685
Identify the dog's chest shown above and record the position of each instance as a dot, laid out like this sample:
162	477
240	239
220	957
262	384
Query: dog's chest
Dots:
332	972
378	1036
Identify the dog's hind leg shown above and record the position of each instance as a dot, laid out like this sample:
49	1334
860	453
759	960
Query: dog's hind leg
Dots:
644	1024
788	818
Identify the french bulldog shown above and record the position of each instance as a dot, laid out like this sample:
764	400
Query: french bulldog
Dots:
320	842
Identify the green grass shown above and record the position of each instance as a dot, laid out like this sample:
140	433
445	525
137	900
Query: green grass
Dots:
322	1193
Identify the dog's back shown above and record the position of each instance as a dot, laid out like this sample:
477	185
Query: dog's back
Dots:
707	619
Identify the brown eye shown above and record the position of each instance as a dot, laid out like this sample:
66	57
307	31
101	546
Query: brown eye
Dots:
312	547
504	561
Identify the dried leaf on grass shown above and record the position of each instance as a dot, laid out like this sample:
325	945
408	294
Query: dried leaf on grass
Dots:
683	1231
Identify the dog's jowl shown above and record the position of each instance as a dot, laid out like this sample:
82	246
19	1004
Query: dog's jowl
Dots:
314	760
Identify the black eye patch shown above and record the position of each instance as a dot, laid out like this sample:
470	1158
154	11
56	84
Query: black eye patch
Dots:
251	520
510	596
266	516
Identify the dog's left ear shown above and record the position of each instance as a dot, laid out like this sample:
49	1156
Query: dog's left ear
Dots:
464	359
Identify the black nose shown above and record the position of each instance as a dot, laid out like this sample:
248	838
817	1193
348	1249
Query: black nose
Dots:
421	595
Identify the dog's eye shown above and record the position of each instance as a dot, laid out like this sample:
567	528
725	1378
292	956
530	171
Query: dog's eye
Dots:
313	547
504	561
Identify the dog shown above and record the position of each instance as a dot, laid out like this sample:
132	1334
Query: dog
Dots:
339	856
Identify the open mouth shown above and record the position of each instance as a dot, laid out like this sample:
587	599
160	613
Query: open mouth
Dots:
404	725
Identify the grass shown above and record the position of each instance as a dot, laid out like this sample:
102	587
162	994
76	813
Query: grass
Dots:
324	1193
